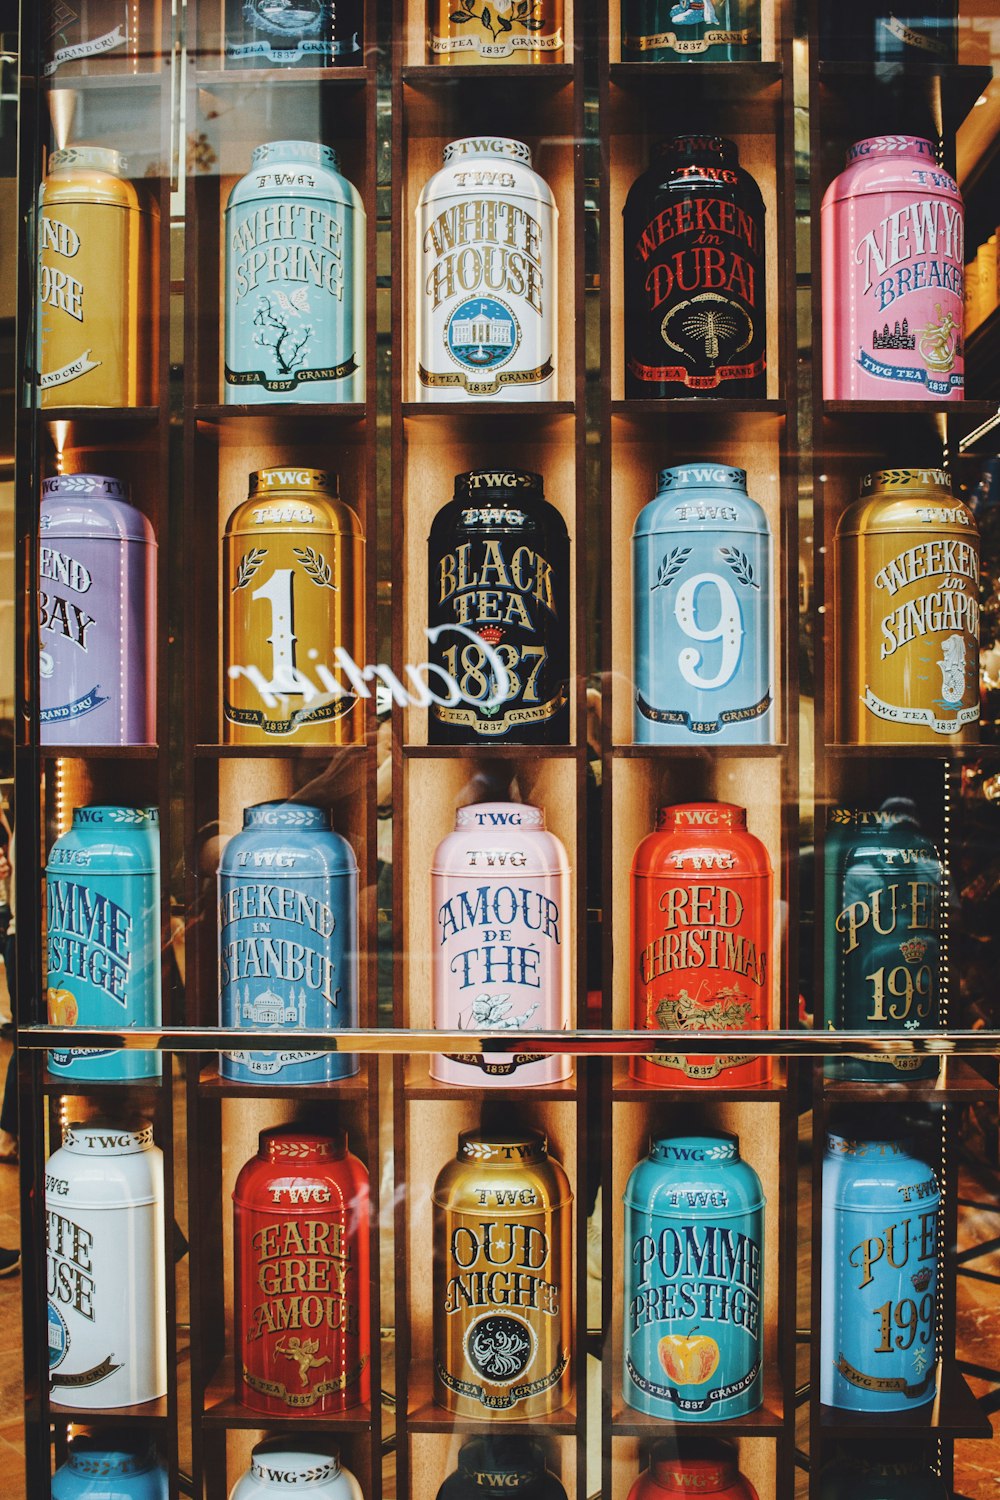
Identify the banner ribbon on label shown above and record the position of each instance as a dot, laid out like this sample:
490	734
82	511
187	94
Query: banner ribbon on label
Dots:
709	1068
910	375
508	1399
696	382
689	47
684	1403
913	38
78	50
490	387
884	1382
82	365
498	1067
300	377
282	56
441	45
256	716
74	710
896	714
703	726
106	1367
302	1399
271	1062
493	728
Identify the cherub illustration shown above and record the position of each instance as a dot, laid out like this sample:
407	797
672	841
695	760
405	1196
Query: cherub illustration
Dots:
493	1012
303	1351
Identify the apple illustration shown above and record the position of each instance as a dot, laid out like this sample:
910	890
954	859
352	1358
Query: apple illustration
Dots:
62	1008
689	1358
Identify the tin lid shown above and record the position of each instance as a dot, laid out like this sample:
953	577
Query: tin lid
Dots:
881	481
893	812
703	475
271	480
503	1148
309	151
88	159
693	1465
709	1148
281	814
483	484
496	816
892	145
501	1462
96	1138
275	1461
111	1454
144	819
85	486
700	816
288	1144
696	149
488	146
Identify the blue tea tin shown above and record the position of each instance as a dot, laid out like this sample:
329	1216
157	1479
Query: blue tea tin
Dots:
288	940
110	1465
694	1271
883	884
102	952
702	612
295	279
881	1210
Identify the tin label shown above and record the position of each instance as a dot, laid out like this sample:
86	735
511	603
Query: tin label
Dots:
65	618
486	289
693	1329
504	29
290	315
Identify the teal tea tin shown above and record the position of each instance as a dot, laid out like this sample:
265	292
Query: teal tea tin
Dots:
102	952
881	1210
880	1471
882	914
288	940
702	612
295	279
694	1266
110	1465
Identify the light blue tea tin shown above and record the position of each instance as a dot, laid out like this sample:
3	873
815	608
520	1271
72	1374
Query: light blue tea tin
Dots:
694	1281
878	1338
295	279
111	1466
288	940
102	951
702	612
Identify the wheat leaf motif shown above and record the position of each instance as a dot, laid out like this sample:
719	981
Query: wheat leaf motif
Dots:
316	567
741	566
249	563
670	567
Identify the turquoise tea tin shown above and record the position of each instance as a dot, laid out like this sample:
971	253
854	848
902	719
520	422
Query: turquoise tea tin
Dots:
694	1281
288	941
102	948
110	1466
881	1212
702	612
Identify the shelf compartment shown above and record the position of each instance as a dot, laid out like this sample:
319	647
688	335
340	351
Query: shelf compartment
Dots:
89	1088
212	1086
222	1409
955	1413
153	1414
960	1082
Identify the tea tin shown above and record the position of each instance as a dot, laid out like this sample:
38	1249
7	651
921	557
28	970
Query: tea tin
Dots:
501	925
701	931
97	614
97	267
302	1326
105	1267
893	255
502	1464
906	613
486	294
309	34
110	1466
293	581
288	940
513	31
702	612
498	567
102	938
694	1281
502	1290
880	1471
690	31
294	323
279	1466
881	1213
692	1465
882	921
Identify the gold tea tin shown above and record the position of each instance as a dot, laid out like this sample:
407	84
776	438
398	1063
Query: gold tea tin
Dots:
98	249
503	1299
906	613
507	31
293	647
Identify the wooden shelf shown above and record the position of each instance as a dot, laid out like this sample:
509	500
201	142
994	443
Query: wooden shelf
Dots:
544	76
99	752
910	87
148	1414
687	407
699	748
486	751
737	82
424	1416
959	1082
57	1087
283	78
766	1421
290	751
287	411
973	411
99	83
223	1410
520	411
124	414
626	1090
955	1413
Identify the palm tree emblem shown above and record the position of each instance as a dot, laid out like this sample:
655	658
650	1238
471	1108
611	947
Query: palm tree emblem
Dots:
708	328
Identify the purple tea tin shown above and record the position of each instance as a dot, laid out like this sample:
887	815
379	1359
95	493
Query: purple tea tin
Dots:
97	614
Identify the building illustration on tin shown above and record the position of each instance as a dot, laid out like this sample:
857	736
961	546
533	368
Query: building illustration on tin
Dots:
267	1009
899	337
482	329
